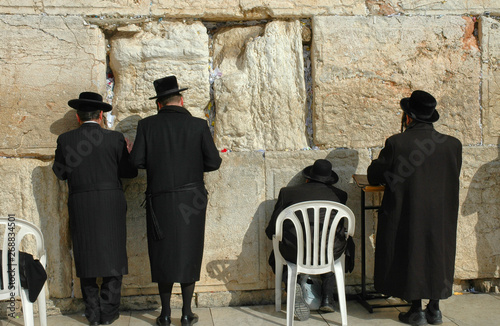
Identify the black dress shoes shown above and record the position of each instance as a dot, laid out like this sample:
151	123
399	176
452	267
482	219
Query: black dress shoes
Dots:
326	304
413	318
110	321
433	317
188	320
163	321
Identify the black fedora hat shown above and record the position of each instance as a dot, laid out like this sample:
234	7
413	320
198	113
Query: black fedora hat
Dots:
420	106
89	101
321	171
166	86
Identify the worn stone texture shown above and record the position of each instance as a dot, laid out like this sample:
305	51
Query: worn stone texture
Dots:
235	257
362	67
479	221
255	9
30	191
490	43
46	61
449	7
76	7
156	51
260	98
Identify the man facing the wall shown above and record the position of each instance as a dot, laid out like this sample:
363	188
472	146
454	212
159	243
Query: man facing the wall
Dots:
417	222
175	149
93	160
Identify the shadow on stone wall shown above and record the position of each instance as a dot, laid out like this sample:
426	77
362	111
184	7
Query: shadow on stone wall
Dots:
128	126
50	198
483	198
66	123
228	271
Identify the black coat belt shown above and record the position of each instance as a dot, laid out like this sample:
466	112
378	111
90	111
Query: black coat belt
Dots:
94	187
157	233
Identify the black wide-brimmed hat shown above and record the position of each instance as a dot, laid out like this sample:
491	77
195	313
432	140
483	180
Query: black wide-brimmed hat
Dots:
88	102
321	171
420	106
166	86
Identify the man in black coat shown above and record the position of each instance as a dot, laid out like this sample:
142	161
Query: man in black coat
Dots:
175	148
417	223
93	160
319	186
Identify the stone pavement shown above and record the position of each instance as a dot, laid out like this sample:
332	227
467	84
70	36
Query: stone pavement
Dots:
462	310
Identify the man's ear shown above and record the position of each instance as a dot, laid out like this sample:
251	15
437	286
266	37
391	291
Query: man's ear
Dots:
78	118
100	115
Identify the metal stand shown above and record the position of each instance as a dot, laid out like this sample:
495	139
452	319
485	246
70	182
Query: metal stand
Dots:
363	297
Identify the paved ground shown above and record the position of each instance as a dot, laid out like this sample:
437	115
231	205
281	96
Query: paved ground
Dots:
463	310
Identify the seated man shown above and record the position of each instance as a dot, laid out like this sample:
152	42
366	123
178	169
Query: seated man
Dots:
318	186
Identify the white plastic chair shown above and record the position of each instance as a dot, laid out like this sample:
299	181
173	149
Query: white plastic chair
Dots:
11	243
319	249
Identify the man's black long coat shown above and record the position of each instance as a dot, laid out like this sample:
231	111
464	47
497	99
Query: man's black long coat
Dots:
175	149
93	160
297	194
417	223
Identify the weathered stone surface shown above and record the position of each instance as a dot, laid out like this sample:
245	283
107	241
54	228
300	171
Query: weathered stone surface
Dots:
46	61
255	9
260	98
362	67
235	256
30	191
77	7
471	7
235	298
285	169
138	280
478	247
490	42
159	50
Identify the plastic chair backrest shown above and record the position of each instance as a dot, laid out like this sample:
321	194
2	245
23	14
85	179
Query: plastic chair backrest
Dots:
14	232
320	238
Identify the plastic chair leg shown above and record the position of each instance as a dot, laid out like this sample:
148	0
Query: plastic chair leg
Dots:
290	300
27	309
42	307
277	285
338	266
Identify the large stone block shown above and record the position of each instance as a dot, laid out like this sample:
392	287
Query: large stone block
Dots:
471	7
362	67
260	97
159	49
478	248
46	61
255	9
30	191
235	256
77	7
490	43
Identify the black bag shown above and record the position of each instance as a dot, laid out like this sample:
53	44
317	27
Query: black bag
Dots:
349	255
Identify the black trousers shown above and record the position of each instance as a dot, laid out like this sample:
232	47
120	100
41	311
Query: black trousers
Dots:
103	305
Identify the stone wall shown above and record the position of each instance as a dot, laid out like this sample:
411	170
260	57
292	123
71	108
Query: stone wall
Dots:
281	83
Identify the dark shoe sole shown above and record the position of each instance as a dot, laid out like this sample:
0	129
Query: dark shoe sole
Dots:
161	321
433	319
189	320
109	322
327	309
413	319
